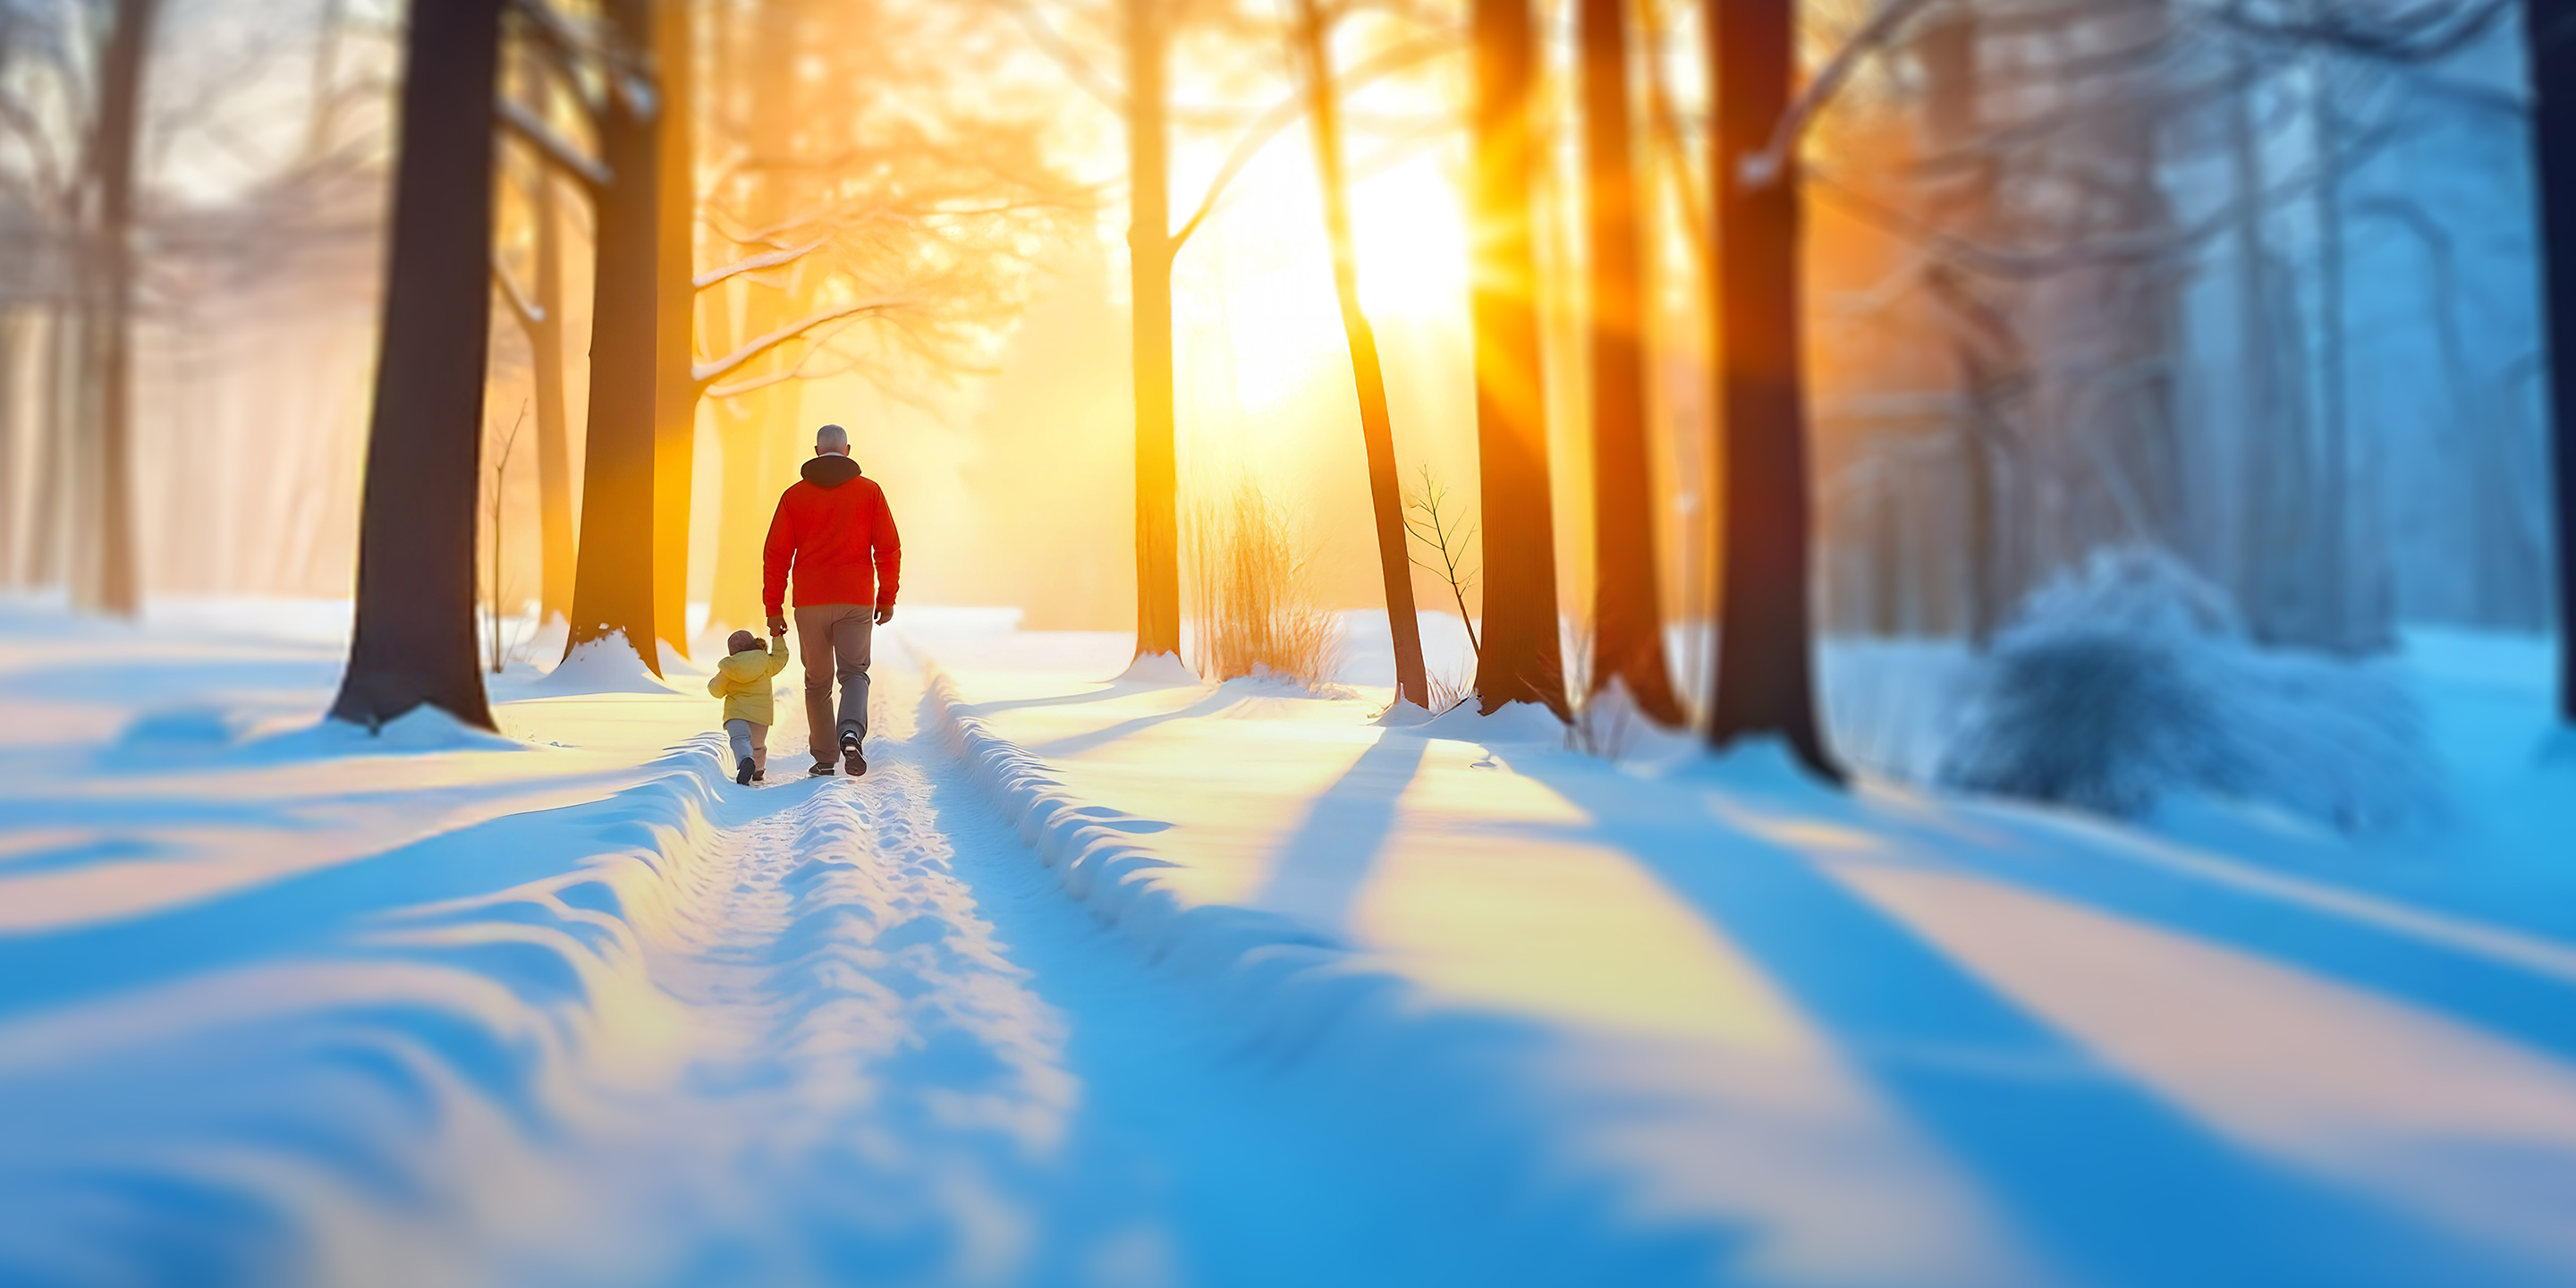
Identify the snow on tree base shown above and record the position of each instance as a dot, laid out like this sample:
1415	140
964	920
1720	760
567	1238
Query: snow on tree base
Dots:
2132	682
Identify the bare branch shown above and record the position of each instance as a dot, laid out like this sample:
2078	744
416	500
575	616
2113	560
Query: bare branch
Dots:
706	373
530	315
1764	168
785	255
533	129
1076	66
1291	109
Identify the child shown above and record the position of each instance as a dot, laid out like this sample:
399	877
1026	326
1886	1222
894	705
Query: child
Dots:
742	680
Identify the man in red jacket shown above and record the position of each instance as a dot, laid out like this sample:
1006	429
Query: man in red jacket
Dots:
834	531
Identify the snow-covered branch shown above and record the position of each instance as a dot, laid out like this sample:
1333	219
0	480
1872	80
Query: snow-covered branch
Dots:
530	315
783	255
532	128
1764	168
706	373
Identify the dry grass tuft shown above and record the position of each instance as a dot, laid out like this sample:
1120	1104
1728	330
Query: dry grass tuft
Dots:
1252	610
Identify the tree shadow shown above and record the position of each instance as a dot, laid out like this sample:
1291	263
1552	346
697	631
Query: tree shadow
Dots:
1075	744
2448	963
299	912
2114	1184
1115	689
1319	871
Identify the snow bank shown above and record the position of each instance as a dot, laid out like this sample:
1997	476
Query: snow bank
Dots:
2131	682
334	1077
605	665
1159	668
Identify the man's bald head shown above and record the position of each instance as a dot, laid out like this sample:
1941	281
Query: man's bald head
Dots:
832	439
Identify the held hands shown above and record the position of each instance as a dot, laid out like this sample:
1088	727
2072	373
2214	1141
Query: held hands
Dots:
885	613
777	626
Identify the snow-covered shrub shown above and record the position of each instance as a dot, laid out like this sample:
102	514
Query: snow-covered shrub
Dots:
2131	680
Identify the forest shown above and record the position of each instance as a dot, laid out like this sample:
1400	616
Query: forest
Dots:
1828	575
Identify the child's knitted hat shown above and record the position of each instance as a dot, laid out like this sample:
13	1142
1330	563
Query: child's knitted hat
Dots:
742	642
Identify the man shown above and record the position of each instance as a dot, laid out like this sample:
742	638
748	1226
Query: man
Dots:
834	531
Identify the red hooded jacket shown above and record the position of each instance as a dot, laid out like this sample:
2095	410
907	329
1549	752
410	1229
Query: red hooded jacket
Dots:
835	531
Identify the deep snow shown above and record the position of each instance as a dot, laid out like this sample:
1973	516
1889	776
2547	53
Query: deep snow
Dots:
1145	982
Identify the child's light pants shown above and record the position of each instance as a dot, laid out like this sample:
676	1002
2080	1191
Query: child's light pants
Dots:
749	740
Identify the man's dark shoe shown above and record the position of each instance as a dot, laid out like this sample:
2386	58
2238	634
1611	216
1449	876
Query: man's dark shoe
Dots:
742	772
851	761
821	767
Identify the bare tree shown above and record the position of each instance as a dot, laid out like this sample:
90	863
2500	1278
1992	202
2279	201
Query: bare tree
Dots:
1628	640
1377	429
675	387
114	583
1522	659
413	640
615	580
877	210
1765	681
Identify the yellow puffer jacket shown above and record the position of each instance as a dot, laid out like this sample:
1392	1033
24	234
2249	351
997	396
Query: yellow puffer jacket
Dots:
742	680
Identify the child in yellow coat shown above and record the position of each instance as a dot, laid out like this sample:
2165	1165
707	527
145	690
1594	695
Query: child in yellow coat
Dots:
742	680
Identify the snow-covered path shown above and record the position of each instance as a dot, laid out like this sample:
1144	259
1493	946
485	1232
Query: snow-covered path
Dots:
587	1026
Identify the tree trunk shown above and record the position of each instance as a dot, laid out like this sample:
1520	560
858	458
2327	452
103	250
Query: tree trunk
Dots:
1765	680
1149	276
2550	31
1628	620
675	410
13	329
554	436
1984	348
50	474
1377	428
613	582
414	634
112	582
749	424
1522	659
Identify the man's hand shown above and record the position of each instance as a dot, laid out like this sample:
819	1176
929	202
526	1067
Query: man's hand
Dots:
885	613
778	626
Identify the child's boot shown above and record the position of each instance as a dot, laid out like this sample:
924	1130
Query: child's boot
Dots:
742	772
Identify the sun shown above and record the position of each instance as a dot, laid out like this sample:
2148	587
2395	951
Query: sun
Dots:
1412	239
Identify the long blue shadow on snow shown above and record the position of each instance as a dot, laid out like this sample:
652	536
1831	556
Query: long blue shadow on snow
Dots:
1215	701
1438	1168
2112	1183
1323	864
147	681
1115	689
2054	857
298	913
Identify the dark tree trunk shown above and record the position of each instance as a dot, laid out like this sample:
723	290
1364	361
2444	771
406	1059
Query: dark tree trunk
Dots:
1628	620
414	636
613	583
1522	660
675	417
1377	427
1765	680
113	582
1149	270
2551	33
